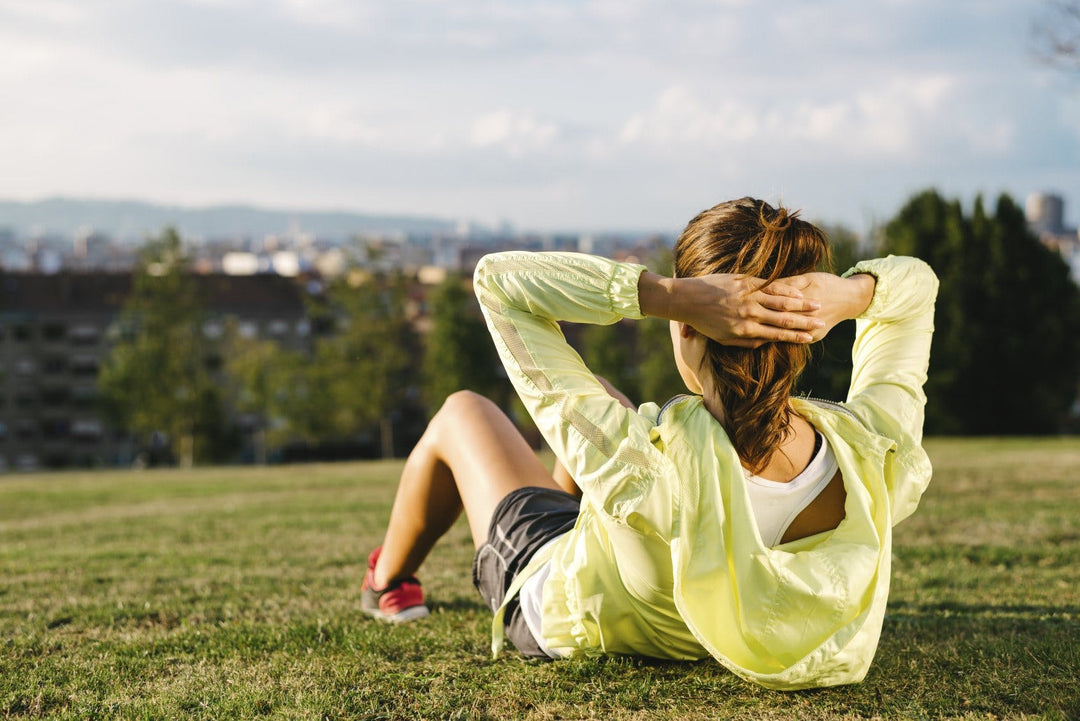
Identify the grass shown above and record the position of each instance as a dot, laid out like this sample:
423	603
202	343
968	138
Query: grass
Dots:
233	593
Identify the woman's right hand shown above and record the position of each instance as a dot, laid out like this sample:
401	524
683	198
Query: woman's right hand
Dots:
742	311
840	298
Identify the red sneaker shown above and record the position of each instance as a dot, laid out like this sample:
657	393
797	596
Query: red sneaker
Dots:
400	601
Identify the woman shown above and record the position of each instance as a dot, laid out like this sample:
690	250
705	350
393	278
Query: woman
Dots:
738	521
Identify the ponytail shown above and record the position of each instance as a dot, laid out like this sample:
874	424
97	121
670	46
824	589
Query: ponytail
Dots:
750	237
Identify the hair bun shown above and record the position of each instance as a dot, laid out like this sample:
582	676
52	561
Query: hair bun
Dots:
780	220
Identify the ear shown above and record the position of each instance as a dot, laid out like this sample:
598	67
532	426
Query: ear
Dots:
686	331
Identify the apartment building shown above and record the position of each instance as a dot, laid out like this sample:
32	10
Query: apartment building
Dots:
56	332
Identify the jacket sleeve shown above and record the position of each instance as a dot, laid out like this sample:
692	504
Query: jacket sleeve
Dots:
890	358
603	445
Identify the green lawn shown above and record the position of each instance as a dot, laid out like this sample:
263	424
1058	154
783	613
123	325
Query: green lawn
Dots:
234	593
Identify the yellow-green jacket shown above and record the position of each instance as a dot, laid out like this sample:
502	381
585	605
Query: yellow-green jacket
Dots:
665	559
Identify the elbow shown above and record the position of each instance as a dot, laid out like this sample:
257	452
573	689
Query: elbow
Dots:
918	271
482	276
481	269
922	268
493	277
487	265
932	281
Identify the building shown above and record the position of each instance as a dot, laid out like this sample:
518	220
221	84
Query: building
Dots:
55	334
1045	213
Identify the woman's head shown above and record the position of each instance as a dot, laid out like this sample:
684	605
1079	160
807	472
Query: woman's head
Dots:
750	237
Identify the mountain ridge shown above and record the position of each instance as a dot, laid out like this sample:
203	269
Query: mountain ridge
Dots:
134	220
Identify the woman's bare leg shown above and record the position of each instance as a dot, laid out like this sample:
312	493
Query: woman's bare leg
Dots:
470	456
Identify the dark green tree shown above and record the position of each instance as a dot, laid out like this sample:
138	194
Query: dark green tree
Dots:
658	377
1006	350
609	351
303	399
829	372
369	365
256	369
459	353
155	379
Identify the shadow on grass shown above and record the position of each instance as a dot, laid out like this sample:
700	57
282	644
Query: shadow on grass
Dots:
1021	658
458	604
900	611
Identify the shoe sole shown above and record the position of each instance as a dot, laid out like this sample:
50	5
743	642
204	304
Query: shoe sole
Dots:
412	613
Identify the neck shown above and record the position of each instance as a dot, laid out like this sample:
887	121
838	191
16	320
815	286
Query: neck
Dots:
794	453
710	398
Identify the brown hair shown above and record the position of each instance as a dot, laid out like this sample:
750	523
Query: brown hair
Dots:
750	237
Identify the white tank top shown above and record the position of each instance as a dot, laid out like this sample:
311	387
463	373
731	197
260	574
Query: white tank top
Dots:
777	504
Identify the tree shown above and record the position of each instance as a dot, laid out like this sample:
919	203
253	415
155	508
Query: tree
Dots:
369	366
1006	351
1056	34
459	353
658	377
828	374
609	351
304	397
255	369
155	379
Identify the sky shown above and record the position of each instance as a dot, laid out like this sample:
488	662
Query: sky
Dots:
547	114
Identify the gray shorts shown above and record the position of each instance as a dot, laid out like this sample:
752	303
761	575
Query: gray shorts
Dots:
524	520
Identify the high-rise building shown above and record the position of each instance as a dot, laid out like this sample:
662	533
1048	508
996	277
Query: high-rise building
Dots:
1045	213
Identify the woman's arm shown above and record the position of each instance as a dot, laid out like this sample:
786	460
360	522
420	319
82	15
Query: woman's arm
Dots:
892	300
604	445
558	471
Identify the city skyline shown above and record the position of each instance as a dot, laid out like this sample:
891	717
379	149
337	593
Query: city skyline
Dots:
556	115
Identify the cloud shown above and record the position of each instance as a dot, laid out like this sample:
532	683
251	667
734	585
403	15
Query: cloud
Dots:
327	13
901	120
515	132
575	108
679	116
336	122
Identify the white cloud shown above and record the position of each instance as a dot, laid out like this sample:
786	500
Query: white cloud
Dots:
622	106
515	132
327	13
886	121
679	116
336	122
63	12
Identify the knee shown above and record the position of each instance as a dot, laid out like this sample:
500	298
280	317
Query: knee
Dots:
463	403
463	407
458	413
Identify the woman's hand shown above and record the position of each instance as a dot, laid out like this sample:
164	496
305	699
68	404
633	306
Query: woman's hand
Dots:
732	309
839	298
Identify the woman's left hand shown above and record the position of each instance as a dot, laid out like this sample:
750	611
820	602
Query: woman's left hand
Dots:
737	310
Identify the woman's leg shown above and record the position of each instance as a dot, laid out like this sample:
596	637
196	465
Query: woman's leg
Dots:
470	456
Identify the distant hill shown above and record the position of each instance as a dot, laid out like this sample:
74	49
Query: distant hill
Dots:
135	220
